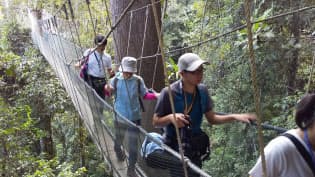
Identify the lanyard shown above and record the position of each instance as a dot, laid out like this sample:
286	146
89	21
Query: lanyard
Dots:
98	62
308	143
189	108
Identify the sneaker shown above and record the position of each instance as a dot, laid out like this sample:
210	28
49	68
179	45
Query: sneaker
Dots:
131	172
120	155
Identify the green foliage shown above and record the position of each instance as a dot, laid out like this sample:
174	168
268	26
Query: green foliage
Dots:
172	70
52	168
31	92
16	134
228	77
229	74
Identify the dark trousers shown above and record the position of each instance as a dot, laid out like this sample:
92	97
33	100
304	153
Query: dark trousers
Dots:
97	84
132	134
179	171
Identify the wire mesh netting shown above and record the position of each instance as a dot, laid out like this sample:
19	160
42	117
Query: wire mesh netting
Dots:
224	44
104	124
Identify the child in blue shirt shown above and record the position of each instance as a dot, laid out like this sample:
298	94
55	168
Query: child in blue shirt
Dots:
128	89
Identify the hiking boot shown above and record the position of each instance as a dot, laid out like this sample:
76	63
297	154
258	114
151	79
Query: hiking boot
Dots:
120	155
131	172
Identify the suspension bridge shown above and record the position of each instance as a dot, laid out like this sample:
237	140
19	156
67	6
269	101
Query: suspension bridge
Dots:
57	39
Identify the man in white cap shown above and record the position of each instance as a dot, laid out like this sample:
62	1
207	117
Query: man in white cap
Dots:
128	88
191	102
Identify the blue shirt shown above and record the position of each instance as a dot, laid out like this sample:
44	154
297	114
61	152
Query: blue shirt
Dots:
127	96
202	104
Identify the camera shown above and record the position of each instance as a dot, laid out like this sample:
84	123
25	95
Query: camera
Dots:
186	137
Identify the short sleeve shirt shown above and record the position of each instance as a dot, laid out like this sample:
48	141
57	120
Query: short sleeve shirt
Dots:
202	104
127	102
283	159
96	60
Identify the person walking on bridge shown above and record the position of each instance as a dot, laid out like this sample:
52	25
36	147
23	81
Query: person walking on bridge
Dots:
129	89
98	63
292	154
191	102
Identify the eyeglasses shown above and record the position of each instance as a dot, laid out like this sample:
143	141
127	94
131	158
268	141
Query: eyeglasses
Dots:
196	72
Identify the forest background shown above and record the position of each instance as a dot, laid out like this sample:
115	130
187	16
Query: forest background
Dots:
42	135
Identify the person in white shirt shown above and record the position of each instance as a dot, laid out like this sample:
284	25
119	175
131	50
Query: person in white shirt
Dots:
283	159
99	63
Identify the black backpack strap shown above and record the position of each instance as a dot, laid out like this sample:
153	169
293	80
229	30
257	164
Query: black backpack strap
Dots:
115	86
139	94
115	83
302	150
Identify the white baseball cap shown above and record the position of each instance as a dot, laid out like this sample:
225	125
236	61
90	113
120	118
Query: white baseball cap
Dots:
190	62
128	64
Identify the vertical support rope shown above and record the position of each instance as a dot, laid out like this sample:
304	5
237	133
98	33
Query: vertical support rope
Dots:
70	28
255	85
129	31
158	30
158	48
311	74
70	82
97	139
65	11
90	13
114	38
75	26
71	9
120	18
143	38
202	24
72	18
154	73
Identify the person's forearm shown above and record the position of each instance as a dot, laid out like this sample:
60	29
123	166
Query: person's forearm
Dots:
219	119
161	121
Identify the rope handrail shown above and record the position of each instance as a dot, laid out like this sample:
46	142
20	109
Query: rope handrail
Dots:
162	53
270	127
264	125
167	53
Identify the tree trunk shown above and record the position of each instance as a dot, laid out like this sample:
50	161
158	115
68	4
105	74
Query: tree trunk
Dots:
133	27
128	37
293	55
4	156
82	143
46	141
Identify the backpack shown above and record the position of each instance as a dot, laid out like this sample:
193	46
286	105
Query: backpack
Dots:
152	153
84	67
139	92
203	150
